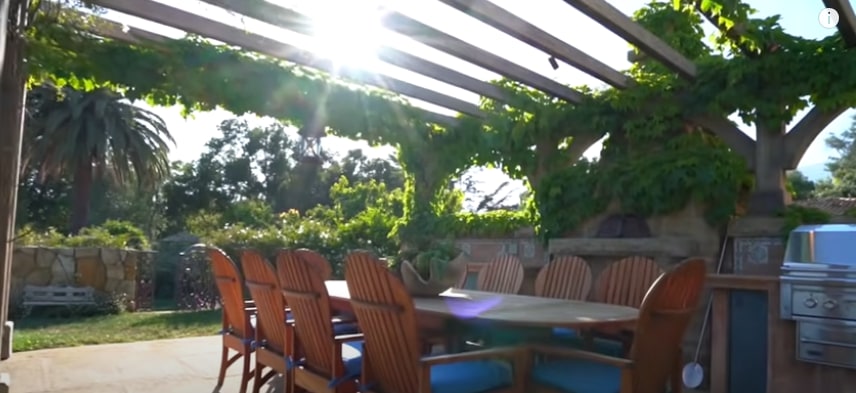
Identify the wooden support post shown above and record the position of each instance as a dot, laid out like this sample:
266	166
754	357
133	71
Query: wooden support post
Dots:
12	96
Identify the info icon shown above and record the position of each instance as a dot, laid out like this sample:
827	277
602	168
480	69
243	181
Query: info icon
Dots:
828	18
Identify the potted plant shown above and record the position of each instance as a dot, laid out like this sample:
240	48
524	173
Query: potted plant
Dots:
433	270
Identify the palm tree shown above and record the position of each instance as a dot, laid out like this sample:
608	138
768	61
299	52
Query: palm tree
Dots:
90	134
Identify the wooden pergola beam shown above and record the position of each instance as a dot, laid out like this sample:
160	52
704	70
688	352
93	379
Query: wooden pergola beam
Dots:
801	136
436	39
300	23
620	24
736	139
173	17
112	30
508	23
846	21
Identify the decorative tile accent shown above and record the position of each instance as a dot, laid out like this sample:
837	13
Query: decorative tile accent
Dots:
756	253
528	249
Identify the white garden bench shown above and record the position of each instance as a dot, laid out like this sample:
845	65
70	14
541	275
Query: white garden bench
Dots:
58	296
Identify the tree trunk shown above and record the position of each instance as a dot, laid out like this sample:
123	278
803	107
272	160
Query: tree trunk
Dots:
81	197
770	196
12	96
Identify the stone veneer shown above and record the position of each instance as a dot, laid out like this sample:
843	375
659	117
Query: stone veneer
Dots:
110	271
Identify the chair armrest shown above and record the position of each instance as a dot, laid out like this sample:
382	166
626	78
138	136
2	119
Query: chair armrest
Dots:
511	353
348	337
582	355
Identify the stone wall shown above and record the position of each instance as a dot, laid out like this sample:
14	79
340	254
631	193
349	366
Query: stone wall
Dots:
111	271
523	244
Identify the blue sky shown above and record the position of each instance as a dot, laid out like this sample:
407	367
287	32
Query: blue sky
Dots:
347	41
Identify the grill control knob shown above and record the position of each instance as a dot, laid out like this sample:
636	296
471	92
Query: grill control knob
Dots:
830	304
810	303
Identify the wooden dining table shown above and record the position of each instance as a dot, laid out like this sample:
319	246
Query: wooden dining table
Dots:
514	311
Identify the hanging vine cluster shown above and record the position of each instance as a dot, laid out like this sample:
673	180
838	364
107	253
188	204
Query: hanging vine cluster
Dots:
652	162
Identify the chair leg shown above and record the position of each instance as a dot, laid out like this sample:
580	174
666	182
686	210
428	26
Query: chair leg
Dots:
224	359
246	373
676	383
258	378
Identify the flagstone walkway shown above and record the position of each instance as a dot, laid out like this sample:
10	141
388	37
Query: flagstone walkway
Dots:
182	365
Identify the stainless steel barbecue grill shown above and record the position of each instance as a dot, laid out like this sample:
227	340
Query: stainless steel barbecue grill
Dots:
818	291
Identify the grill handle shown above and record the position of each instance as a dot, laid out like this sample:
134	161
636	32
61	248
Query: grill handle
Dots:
828	343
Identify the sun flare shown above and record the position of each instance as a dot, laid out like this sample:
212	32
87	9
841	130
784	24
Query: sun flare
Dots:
348	32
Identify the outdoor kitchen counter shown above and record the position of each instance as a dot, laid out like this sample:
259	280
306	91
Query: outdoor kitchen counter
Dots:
784	373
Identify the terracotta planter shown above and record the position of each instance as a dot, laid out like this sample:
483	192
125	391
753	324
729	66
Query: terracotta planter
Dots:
438	282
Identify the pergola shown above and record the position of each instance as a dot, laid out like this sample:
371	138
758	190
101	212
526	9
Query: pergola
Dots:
769	156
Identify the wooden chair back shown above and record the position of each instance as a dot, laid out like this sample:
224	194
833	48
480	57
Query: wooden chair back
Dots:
231	290
305	292
565	277
264	288
663	320
386	316
504	274
626	281
317	261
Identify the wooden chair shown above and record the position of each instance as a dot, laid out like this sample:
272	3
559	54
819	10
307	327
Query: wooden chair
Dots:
663	319
504	274
328	362
565	277
274	340
392	356
624	283
238	317
317	260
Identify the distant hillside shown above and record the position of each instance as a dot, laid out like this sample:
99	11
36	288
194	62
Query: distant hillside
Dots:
814	171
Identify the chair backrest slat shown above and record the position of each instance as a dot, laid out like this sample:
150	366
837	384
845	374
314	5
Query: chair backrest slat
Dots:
502	275
317	261
565	277
664	317
626	281
231	293
384	310
264	288
304	290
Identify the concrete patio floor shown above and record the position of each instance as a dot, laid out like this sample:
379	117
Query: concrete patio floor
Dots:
183	365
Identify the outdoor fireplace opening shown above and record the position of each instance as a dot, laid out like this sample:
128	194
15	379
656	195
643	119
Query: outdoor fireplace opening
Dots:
618	226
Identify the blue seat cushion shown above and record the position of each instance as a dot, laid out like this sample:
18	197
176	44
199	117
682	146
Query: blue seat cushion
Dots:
601	345
566	334
345	328
470	377
578	376
352	357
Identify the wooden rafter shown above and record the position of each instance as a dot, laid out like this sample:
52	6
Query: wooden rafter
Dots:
620	24
444	42
173	17
297	22
510	24
846	21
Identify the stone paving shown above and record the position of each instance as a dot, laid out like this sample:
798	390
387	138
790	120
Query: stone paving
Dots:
182	365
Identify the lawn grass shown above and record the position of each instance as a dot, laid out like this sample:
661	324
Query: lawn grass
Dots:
42	333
